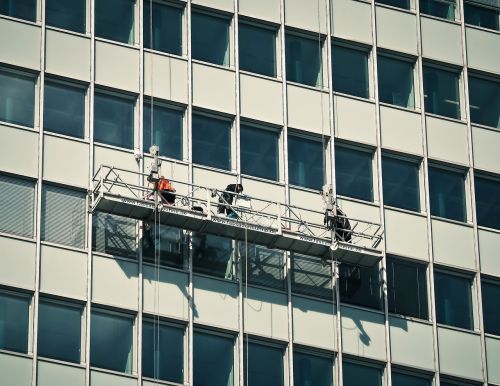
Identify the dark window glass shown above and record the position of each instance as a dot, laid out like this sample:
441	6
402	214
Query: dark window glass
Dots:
259	152
14	323
485	17
66	14
407	288
488	202
405	4
59	331
257	48
114	20
213	255
167	28
443	9
491	311
64	109
17	206
305	162
356	375
213	358
310	276
265	365
441	94
114	120
395	82
453	300
210	38
303	60
399	379
350	71
17	99
167	350
484	101
265	266
353	173
168	242
114	235
400	182
360	286
447	194
168	124
212	142
22	9
311	370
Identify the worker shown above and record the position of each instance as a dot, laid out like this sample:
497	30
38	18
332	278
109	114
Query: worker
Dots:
166	191
226	200
337	221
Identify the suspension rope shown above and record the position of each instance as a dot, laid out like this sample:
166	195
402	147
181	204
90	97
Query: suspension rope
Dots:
246	300
320	58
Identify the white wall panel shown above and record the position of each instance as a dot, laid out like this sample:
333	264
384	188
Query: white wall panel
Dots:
354	120
261	99
104	379
15	370
401	130
489	247
18	262
406	234
447	140
261	9
225	5
308	110
482	50
493	359
169	77
264	190
358	26
117	66
20	44
19	151
486	143
214	88
441	40
453	244
50	374
304	14
396	30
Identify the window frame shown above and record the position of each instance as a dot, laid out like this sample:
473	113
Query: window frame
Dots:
37	20
319	354
87	22
272	344
135	34
484	176
20	293
477	5
482	77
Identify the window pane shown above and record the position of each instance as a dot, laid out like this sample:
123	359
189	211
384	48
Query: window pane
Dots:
360	286
439	8
168	124
168	242
59	331
212	255
168	351
310	276
350	71
441	93
14	323
114	20
64	109
488	202
17	99
265	365
303	60
399	379
66	14
22	9
356	375
353	170
212	142
405	4
259	152
213	360
265	266
167	28
395	82
114	120
114	235
400	182
111	342
484	101
447	194
481	16
491	311
17	206
311	370
257	48
453	300
210	38
305	162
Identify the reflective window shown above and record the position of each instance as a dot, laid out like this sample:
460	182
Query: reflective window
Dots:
213	357
64	109
66	14
212	142
311	370
259	152
305	162
453	300
114	235
265	266
168	130
22	9
355	374
395	82
403	379
483	16
350	71
447	194
17	206
165	344
59	331
311	276
17	98
303	60
213	255
407	288
114	120
265	365
441	93
114	20
14	322
168	242
484	101
257	48
491	311
405	4
111	341
487	202
360	286
401	183
167	27
210	38
443	9
353	173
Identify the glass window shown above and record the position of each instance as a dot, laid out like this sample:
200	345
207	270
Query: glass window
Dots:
114	20
447	194
169	244
356	374
487	202
59	331
66	14
265	365
114	235
311	276
444	9
22	9
303	60
64	109
405	4
213	357
265	266
491	311
212	142
111	341
350	71
167	27
17	206
407	288
311	370
482	16
403	379
401	183
441	94
14	322
167	350
213	255
484	101
168	130
305	162
353	173
17	98
259	152
395	82
360	286
114	120
257	48
453	300
210	38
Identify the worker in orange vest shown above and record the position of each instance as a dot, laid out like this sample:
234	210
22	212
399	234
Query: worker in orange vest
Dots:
166	191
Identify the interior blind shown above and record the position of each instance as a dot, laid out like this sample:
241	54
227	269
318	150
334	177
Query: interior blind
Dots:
17	206
114	235
311	277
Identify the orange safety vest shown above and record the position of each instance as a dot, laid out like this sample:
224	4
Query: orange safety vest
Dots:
164	184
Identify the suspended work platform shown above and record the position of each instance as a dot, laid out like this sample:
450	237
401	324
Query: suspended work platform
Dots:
207	210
